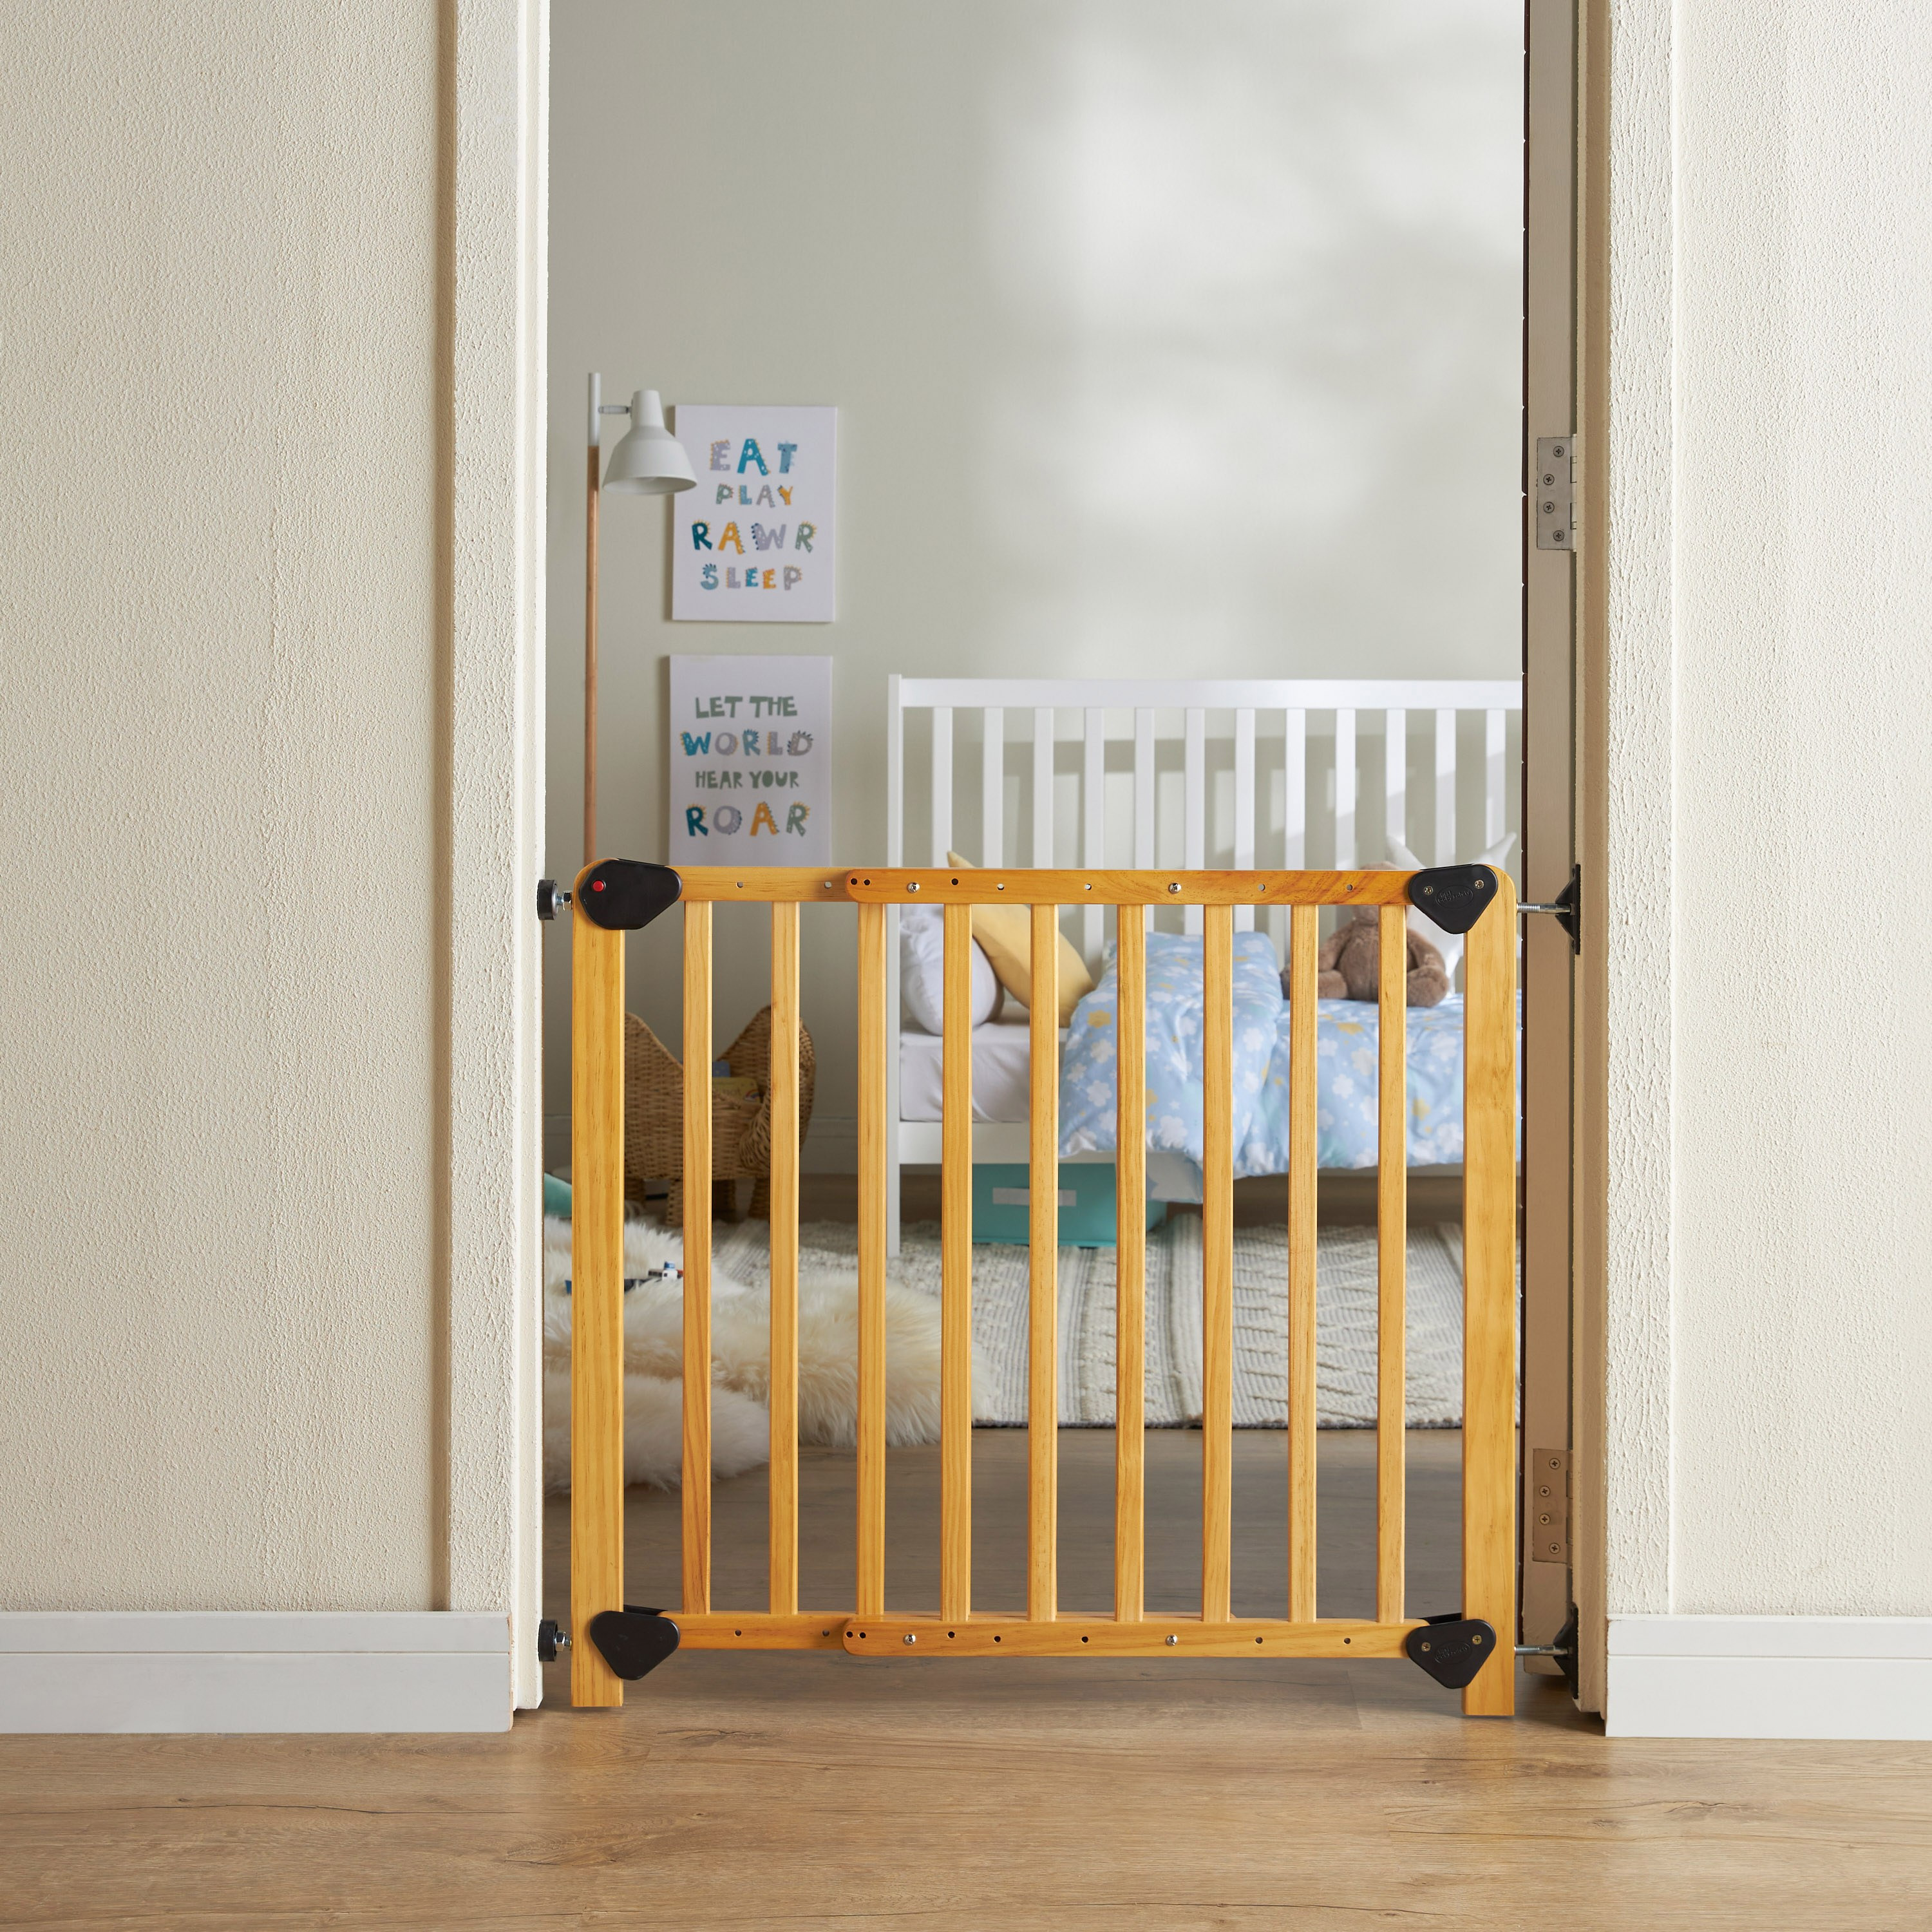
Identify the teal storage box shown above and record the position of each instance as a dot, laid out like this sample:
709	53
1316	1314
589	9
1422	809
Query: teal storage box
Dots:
1000	1205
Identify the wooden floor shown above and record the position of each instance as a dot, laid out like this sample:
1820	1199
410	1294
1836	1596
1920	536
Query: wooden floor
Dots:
1031	1795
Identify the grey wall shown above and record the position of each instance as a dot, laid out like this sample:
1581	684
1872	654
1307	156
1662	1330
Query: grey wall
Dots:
1164	338
221	693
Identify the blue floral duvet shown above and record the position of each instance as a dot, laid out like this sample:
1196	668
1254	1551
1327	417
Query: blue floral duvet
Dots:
1346	1047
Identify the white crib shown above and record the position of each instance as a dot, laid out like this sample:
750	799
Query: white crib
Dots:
1186	773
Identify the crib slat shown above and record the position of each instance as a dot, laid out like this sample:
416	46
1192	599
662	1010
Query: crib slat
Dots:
956	1229
1217	1262
1294	776
873	1037
782	1394
1445	788
942	782
1093	826
1043	1259
1143	790
1304	938
597	1307
1391	1256
1395	777
1344	790
1042	786
696	1184
1489	1291
992	784
1194	818
1244	808
1493	723
1130	1265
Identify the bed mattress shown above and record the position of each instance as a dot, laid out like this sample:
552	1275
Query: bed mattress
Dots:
1000	1058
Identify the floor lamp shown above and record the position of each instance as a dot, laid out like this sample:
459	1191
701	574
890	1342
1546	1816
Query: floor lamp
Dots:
648	461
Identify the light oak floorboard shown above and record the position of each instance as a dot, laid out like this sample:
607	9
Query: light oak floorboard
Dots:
821	1792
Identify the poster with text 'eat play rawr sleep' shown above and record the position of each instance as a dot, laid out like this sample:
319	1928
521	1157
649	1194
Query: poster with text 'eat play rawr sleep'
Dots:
750	761
754	543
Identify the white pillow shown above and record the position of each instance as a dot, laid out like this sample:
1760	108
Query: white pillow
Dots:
922	972
1449	943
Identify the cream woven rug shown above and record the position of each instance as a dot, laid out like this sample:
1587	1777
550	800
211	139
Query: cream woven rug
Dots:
1344	1346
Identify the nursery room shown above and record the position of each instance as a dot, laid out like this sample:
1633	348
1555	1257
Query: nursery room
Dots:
1049	437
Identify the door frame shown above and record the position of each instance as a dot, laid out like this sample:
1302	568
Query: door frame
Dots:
1550	807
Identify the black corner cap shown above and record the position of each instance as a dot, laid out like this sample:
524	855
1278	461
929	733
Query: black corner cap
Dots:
1451	1647
1454	896
624	895
633	1641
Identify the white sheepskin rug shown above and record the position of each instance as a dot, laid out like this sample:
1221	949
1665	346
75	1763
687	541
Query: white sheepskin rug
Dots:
828	1362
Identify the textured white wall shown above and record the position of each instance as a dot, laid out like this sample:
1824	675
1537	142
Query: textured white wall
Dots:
222	1087
1163	338
1771	1291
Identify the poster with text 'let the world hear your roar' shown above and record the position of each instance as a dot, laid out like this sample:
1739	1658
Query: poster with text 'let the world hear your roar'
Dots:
755	542
750	761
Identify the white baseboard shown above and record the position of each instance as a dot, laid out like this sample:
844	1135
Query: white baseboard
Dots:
1769	1677
249	1670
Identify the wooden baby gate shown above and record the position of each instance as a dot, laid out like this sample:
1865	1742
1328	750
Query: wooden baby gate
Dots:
614	1641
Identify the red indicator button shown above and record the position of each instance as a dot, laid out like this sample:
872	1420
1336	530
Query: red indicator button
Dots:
596	885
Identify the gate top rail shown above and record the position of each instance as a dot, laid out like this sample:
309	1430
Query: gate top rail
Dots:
887	885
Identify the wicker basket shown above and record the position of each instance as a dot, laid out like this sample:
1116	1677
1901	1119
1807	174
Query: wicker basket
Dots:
741	1127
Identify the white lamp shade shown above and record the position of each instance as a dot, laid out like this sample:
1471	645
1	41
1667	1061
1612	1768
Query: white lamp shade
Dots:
649	461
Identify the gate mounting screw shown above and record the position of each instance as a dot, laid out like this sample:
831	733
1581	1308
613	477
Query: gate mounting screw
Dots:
551	1638
550	898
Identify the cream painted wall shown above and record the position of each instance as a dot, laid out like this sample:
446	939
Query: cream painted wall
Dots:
1162	337
261	1087
1771	1292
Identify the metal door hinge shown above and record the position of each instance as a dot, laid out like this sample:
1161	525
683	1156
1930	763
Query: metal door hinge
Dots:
1567	906
1555	484
1548	1505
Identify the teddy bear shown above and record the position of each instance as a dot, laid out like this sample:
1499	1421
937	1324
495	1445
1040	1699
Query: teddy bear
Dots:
1350	962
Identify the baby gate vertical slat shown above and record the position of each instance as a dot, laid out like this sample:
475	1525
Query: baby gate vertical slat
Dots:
955	1232
1395	775
1217	1262
1303	938
1130	1263
783	1391
874	1040
1391	1255
597	1299
1489	1293
697	1365
1043	1233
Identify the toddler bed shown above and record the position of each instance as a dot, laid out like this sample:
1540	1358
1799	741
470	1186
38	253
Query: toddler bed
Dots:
1191	773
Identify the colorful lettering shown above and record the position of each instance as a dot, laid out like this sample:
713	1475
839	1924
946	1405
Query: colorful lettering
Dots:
708	578
724	813
793	574
724	492
699	747
727	743
806	532
751	744
765	496
800	744
721	455
694	826
764	539
701	536
784	492
786	452
795	818
730	536
750	454
771	578
762	816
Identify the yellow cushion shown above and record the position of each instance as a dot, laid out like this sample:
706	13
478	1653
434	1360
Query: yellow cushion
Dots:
1005	933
